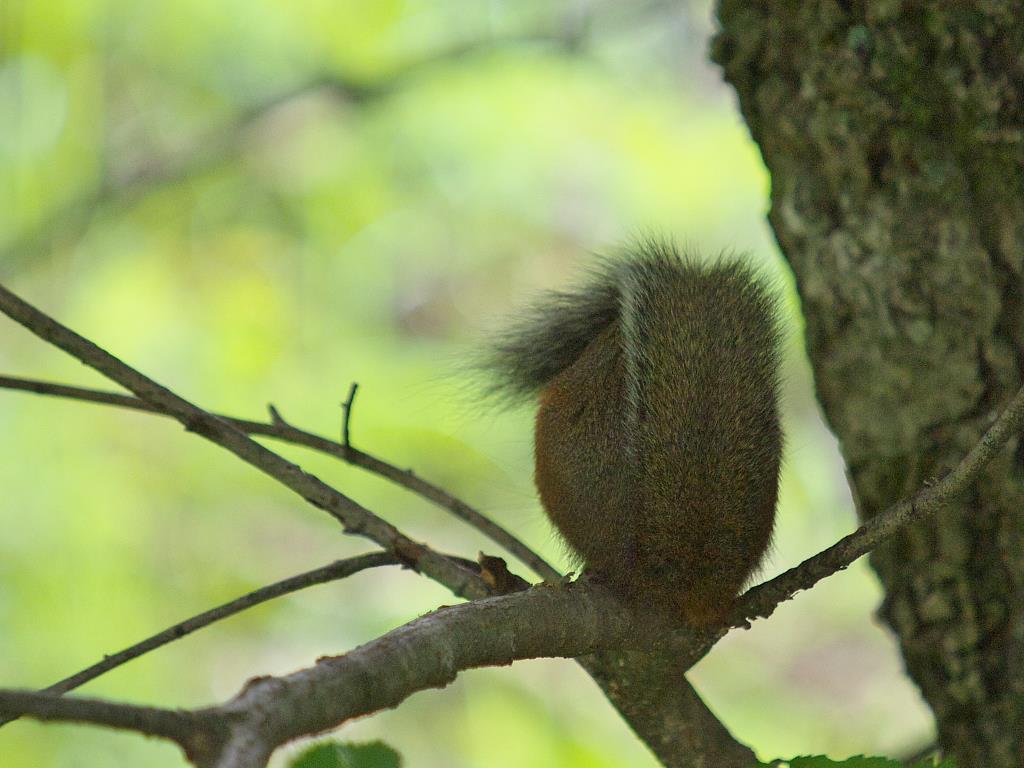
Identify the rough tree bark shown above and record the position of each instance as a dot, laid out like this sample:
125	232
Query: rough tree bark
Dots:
894	134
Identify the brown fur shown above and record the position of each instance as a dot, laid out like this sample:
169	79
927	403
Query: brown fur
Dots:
657	434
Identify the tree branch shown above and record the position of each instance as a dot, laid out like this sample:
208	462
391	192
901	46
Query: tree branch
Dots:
429	652
355	518
177	725
761	601
426	653
339	569
279	429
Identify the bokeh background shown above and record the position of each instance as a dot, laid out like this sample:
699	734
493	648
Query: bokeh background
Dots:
265	201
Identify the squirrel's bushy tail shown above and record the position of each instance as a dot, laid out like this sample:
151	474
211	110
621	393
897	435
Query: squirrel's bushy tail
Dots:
551	333
657	434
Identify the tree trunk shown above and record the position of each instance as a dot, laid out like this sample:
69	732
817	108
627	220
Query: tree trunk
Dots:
894	134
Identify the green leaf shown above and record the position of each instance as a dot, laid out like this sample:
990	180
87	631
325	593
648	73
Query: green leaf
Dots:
333	754
858	761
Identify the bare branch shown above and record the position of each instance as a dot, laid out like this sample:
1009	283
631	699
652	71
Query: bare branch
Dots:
426	653
429	652
761	601
180	726
346	437
460	509
339	569
354	517
279	429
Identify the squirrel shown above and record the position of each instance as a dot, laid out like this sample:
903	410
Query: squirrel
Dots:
657	436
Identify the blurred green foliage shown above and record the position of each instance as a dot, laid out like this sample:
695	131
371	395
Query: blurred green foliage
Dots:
264	201
332	754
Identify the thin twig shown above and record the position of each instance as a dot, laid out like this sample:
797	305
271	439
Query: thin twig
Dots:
275	416
346	407
279	429
354	517
178	725
335	571
339	569
761	601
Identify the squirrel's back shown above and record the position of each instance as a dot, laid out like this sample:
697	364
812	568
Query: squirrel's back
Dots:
657	435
